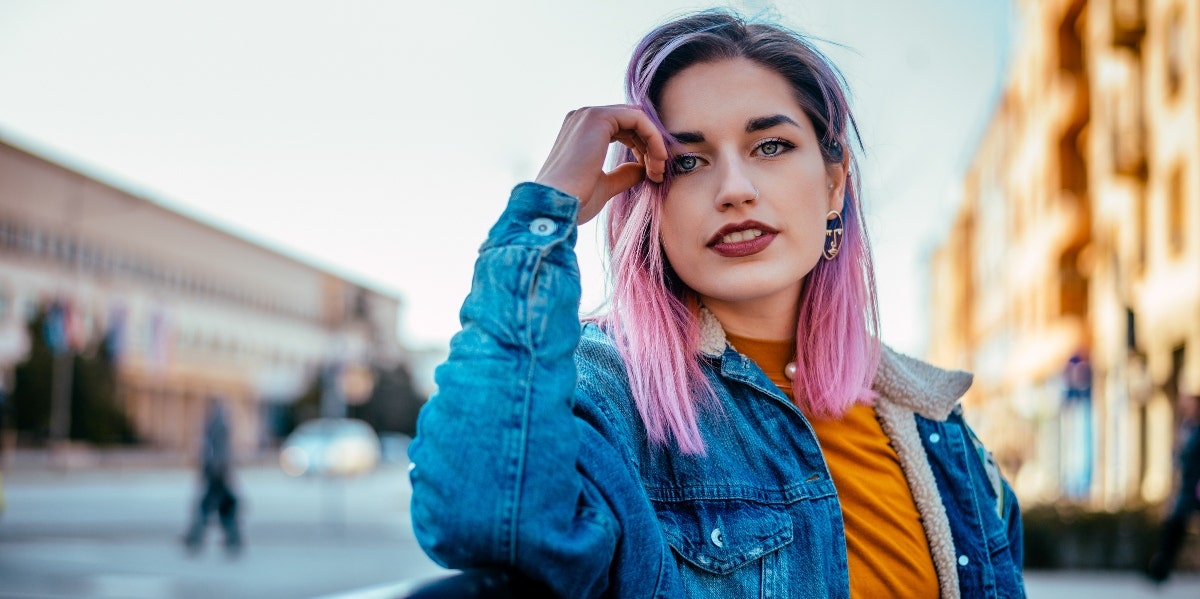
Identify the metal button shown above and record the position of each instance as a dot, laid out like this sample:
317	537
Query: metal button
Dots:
716	537
934	438
963	560
543	226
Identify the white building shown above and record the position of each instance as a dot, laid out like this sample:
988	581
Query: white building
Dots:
198	312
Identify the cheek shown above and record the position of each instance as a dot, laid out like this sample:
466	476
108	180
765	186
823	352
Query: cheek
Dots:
673	244
679	222
810	222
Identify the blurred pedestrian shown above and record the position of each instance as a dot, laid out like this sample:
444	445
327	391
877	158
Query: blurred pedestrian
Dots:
1187	499
216	465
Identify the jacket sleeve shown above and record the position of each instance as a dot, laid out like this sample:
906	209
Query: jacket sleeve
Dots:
495	473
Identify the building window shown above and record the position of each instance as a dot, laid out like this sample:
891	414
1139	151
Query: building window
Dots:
1175	53
1177	219
1128	22
1073	284
1072	165
1070	43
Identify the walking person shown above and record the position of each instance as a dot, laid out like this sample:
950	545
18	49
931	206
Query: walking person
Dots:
216	469
1173	532
732	426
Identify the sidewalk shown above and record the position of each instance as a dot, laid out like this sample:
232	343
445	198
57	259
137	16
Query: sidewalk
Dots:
1058	584
78	456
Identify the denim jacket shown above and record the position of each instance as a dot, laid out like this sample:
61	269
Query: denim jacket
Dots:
532	455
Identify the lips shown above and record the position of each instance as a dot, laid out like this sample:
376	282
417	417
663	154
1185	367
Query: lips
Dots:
742	239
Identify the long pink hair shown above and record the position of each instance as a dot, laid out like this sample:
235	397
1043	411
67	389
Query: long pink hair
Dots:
654	315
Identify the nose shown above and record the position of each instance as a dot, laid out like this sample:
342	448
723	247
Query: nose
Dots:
735	187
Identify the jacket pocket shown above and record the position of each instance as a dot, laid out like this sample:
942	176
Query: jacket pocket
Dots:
727	547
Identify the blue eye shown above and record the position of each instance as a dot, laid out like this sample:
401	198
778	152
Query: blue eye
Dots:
774	147
686	163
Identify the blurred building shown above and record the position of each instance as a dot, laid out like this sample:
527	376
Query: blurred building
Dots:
188	310
1070	280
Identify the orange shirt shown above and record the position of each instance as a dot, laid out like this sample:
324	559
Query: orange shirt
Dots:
885	543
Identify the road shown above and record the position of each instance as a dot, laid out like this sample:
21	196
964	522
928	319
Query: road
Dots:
114	533
109	534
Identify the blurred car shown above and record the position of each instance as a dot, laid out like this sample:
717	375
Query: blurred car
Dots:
330	447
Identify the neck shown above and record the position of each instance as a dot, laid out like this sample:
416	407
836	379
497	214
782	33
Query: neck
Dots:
771	318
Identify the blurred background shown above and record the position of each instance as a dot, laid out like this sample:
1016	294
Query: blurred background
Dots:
276	206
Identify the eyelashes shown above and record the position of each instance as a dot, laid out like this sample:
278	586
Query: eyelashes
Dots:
685	163
778	146
767	148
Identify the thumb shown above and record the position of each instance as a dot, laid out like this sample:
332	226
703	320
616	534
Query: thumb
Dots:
623	177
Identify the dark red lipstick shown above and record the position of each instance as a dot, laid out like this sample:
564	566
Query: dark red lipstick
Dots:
754	239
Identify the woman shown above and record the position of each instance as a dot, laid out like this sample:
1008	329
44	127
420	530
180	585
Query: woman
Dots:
732	428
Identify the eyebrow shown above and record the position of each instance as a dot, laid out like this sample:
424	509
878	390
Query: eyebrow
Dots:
766	122
688	137
753	125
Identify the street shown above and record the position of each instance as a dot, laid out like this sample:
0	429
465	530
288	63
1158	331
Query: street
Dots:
115	533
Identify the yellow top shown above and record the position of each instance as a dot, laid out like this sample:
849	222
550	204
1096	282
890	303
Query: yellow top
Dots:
885	544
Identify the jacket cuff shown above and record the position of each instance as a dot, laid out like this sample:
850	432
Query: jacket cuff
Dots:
536	216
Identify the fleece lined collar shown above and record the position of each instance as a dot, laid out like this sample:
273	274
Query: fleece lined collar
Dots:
923	388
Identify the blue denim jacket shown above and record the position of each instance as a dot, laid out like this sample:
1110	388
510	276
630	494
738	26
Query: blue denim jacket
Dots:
533	456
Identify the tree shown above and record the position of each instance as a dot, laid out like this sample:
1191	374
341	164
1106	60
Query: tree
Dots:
96	415
393	404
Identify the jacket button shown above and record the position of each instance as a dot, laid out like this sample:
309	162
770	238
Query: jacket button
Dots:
543	226
716	537
963	560
934	438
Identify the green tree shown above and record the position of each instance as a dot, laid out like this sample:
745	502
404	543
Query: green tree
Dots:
31	385
96	415
394	402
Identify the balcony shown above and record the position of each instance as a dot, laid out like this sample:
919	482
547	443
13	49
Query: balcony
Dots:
1128	23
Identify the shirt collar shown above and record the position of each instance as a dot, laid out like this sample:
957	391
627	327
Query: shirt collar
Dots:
919	386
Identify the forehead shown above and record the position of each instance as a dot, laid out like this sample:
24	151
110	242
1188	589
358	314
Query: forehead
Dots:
726	92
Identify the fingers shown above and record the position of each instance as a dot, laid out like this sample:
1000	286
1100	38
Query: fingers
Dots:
637	131
575	164
623	177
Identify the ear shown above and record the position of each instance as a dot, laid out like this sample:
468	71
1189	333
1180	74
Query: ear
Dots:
835	182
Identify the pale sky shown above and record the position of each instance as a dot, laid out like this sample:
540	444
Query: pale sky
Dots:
380	139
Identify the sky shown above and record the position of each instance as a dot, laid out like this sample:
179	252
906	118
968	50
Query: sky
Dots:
380	139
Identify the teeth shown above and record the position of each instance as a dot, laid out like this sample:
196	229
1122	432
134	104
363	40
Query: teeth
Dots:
737	236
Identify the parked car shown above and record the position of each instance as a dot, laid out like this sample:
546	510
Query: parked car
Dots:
330	447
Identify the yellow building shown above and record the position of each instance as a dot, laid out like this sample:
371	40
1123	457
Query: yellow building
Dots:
1070	280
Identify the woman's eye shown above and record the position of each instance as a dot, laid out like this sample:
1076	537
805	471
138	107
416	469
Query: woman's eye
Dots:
686	163
774	147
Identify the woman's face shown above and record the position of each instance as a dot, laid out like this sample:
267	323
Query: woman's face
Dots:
744	220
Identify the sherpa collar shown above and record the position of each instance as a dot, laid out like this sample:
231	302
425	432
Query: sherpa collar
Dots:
921	387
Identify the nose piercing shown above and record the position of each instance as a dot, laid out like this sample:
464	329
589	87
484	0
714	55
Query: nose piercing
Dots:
756	194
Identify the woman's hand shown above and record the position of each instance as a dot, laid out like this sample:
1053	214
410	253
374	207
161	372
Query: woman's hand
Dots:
576	163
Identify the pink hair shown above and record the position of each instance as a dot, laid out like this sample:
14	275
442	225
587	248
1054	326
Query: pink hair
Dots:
654	315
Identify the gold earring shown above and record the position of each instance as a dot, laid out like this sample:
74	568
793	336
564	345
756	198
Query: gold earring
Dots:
834	230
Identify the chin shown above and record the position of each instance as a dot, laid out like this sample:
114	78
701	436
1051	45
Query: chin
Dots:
747	289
